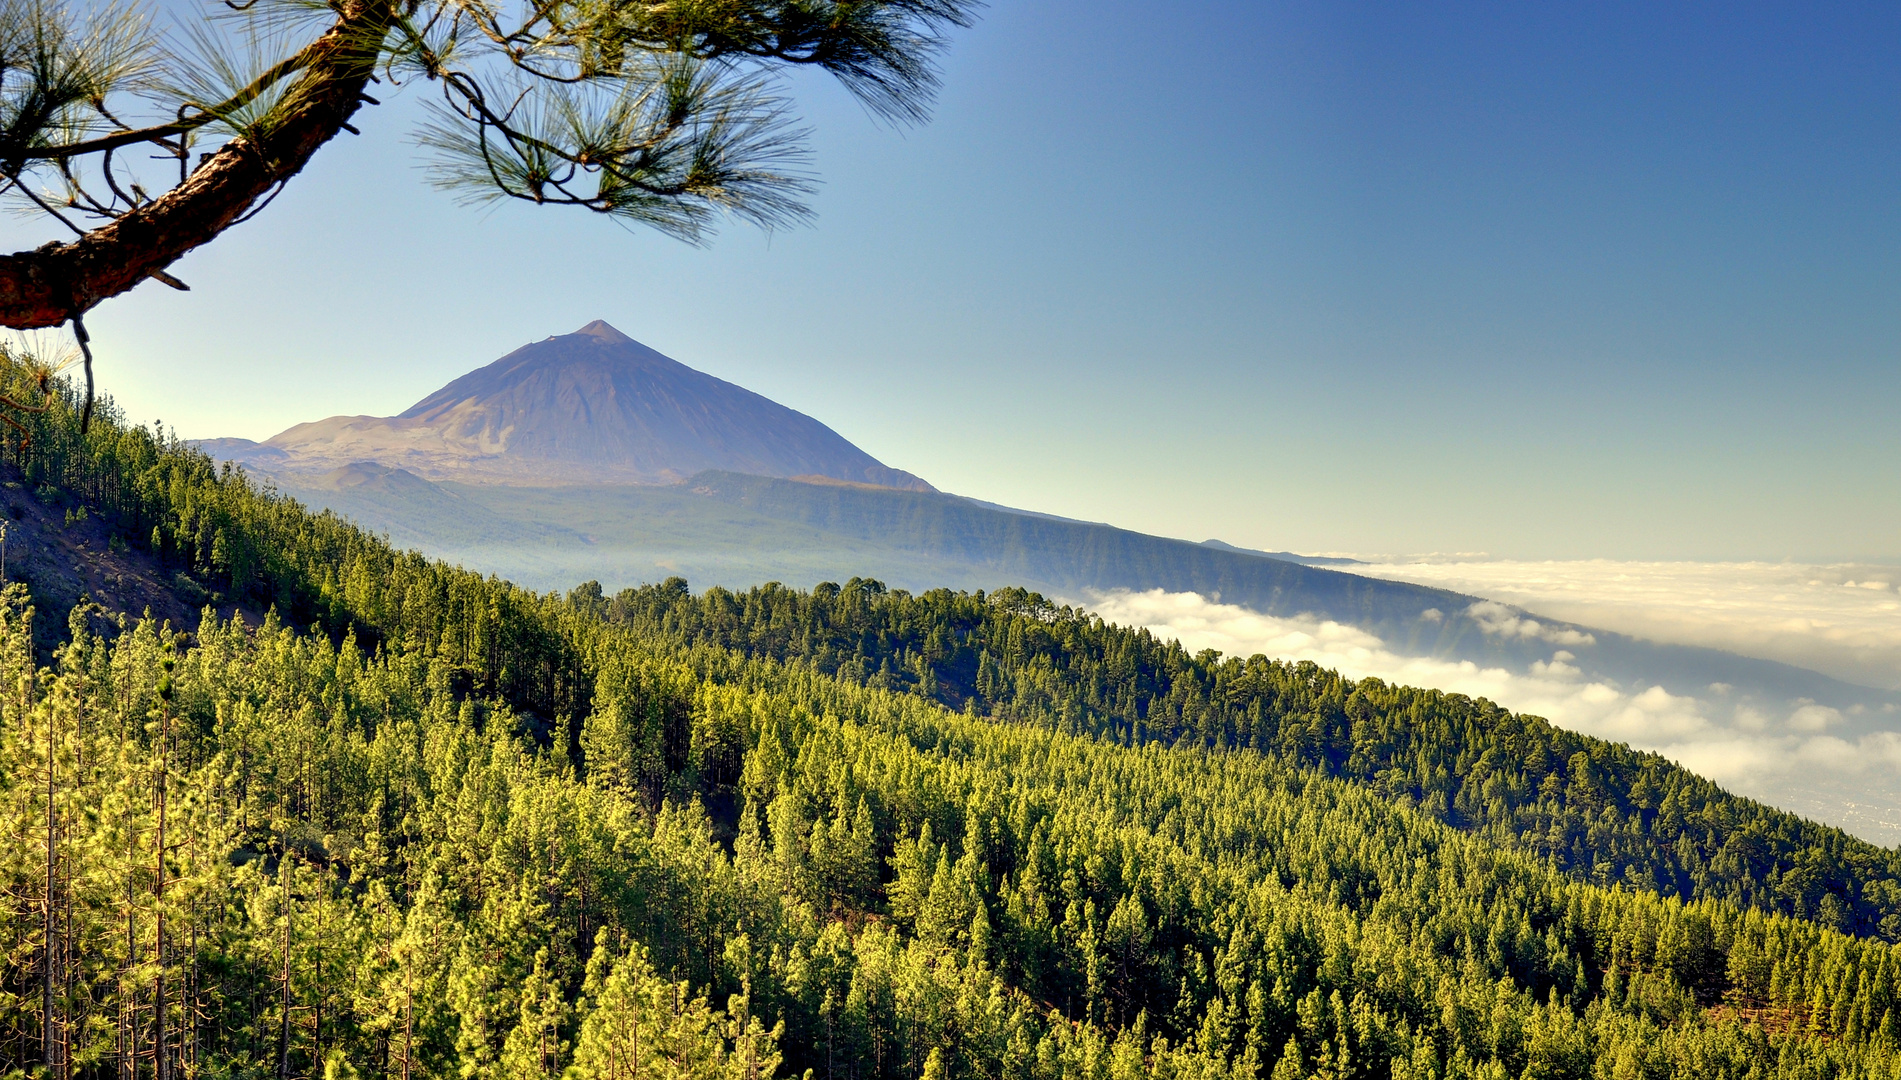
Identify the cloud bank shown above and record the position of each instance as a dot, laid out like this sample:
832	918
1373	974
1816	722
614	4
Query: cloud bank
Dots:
1842	620
1790	754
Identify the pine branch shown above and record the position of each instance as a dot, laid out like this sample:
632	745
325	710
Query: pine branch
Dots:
50	285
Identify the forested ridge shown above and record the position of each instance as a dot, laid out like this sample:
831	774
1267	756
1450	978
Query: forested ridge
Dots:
420	823
1602	811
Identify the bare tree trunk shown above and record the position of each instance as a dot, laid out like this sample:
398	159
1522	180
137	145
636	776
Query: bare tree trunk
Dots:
66	942
316	1041
66	1035
409	1015
128	1035
193	1007
196	1005
128	1039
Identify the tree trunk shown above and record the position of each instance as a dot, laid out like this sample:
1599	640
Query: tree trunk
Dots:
196	1004
409	1015
283	1027
160	1057
49	1027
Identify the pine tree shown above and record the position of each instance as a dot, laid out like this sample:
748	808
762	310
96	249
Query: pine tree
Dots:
658	115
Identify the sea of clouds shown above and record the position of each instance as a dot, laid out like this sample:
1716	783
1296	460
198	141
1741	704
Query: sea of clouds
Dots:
1842	620
1796	754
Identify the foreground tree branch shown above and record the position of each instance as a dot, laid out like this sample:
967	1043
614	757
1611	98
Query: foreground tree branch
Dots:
645	110
57	282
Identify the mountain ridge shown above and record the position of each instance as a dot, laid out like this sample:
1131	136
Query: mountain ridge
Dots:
953	541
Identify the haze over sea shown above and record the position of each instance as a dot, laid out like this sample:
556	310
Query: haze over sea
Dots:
1842	619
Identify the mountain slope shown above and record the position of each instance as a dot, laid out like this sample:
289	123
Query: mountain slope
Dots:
739	531
398	502
1598	810
68	558
594	406
1076	557
530	459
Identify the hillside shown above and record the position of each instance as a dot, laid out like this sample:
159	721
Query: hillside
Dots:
594	406
461	830
741	531
522	469
68	558
1596	809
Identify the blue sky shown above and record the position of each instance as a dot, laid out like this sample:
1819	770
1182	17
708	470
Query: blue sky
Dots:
1540	280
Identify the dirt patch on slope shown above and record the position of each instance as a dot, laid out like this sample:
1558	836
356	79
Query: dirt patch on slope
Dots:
64	553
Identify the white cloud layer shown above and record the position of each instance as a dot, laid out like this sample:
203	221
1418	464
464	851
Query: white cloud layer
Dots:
1498	620
1789	754
1842	620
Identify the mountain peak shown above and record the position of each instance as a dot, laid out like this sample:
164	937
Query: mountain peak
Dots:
599	328
594	406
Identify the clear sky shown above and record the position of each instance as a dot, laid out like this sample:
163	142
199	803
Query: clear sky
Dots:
1547	281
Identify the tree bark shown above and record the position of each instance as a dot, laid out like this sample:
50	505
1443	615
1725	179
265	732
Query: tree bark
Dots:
53	283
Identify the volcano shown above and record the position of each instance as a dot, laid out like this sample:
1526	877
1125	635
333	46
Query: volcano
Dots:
591	407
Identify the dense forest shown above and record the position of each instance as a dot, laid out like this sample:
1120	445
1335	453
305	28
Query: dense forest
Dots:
419	823
1602	811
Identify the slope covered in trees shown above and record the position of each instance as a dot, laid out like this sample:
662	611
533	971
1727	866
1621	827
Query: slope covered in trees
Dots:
458	830
1602	811
362	873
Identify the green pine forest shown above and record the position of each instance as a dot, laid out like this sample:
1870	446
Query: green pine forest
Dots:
418	823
